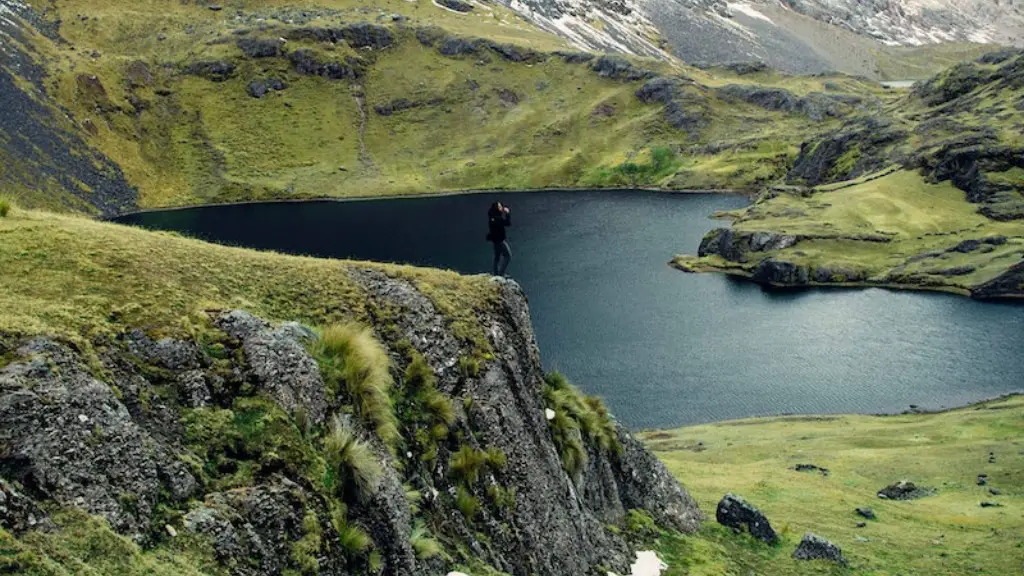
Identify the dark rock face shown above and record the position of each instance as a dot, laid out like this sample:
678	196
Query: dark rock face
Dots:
735	246
430	35
575	57
260	88
815	106
260	47
684	109
457	5
215	70
814	547
1009	284
70	439
745	68
618	68
774	272
904	490
738	514
307	64
966	162
860	147
360	35
364	35
958	81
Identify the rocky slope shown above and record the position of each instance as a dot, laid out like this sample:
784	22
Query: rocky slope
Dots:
803	36
219	445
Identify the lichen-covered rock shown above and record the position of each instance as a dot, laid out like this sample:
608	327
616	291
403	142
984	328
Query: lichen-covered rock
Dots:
1009	284
814	547
365	35
215	70
259	88
279	363
736	513
457	5
260	47
70	439
306	63
19	513
736	245
860	147
618	68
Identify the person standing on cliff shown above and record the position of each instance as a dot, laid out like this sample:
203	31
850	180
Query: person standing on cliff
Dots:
498	218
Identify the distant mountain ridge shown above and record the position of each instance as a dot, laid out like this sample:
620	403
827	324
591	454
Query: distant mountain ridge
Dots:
800	36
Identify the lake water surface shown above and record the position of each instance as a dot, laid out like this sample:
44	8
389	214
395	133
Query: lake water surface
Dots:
663	347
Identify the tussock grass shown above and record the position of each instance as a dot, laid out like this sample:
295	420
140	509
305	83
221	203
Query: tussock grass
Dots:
467	463
578	417
353	361
466	503
423	543
352	468
6	204
948	533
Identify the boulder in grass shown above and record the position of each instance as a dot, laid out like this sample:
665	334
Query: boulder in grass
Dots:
735	512
814	547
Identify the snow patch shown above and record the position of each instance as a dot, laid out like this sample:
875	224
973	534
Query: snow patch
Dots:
750	11
647	564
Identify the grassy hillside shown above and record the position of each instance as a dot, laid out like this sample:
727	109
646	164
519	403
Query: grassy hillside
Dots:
947	533
75	278
928	194
426	109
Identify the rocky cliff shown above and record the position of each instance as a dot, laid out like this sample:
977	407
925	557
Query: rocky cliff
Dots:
256	446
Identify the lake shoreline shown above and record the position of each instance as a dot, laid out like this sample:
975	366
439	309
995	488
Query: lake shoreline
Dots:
824	417
749	194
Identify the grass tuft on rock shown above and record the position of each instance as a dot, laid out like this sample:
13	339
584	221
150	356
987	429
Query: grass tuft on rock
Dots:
423	544
352	468
356	366
578	418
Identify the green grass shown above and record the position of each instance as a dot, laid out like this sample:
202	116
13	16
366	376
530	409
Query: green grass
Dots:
353	360
353	471
86	546
945	534
919	217
76	278
467	463
423	544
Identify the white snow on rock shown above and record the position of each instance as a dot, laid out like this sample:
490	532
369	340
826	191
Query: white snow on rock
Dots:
647	564
549	414
749	11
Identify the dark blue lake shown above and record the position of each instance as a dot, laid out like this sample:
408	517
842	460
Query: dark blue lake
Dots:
663	347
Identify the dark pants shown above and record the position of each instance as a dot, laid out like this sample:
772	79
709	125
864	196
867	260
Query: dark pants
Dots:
502	256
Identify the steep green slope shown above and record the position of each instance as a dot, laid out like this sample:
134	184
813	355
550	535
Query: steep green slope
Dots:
403	98
928	195
946	533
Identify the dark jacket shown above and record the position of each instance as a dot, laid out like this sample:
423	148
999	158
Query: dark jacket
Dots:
497	221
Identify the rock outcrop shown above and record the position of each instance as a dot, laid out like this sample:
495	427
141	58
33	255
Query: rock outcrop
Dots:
814	547
222	437
738	514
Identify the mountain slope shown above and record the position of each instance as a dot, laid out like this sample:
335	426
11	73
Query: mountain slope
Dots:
199	106
806	36
931	197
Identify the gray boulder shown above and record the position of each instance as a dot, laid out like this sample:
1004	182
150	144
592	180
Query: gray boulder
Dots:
260	88
70	439
814	547
279	363
904	490
618	68
736	513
